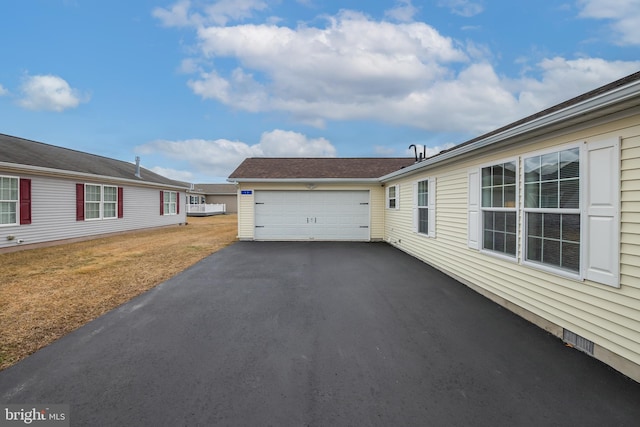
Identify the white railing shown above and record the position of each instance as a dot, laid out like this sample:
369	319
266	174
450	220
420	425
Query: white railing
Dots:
207	208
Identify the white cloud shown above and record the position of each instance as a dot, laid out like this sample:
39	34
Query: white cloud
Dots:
50	93
404	11
357	68
464	8
623	14
3	91
218	13
220	157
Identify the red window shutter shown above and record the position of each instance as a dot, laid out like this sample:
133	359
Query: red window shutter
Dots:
120	202
79	202
178	202
25	201
161	202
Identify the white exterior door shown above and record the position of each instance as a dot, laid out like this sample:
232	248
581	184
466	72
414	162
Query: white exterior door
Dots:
312	215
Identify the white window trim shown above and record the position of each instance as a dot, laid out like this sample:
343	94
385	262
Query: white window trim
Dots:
101	203
579	276
514	259
431	207
396	198
164	201
17	202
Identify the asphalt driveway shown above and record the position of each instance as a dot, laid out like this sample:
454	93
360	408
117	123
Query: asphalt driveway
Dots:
320	334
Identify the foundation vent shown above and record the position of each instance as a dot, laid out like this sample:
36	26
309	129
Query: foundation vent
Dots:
577	341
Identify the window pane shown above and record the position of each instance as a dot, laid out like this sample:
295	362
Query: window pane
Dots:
570	163
488	239
510	196
8	212
534	224
496	201
534	249
551	252
571	228
92	210
570	194
392	192
510	173
549	167
497	175
532	169
510	222
92	193
109	210
486	197
549	194
551	227
488	220
392	203
423	220
499	221
498	242
110	194
571	256
532	195
423	193
486	177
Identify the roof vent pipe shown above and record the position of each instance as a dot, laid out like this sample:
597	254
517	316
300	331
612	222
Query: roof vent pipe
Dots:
138	166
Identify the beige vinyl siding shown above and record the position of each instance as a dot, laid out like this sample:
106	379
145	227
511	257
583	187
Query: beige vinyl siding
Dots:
608	316
630	212
246	220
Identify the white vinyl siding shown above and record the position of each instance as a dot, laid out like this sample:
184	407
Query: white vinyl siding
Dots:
606	315
53	213
8	200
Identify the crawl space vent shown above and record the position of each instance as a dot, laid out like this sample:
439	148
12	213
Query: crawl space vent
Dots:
577	341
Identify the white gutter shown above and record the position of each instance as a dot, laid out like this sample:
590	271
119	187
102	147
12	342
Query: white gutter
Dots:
606	99
307	180
39	170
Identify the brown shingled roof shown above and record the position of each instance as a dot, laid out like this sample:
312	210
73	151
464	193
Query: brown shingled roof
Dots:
319	167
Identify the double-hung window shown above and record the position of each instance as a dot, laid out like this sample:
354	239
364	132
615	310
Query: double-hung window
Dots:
392	197
170	203
424	207
8	200
499	208
552	209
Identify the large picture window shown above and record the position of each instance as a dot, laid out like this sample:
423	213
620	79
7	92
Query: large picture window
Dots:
8	200
499	208
552	209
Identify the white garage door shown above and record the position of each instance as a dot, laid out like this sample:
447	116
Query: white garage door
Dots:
312	215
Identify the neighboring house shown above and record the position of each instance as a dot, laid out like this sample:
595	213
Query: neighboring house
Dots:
217	194
542	216
50	194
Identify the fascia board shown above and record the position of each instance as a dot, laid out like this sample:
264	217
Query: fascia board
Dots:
39	170
306	180
617	96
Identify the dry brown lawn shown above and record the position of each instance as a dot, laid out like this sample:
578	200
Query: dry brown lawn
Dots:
46	293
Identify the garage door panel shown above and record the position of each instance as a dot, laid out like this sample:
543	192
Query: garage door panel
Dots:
312	215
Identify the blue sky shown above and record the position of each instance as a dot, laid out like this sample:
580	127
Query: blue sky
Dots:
194	87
